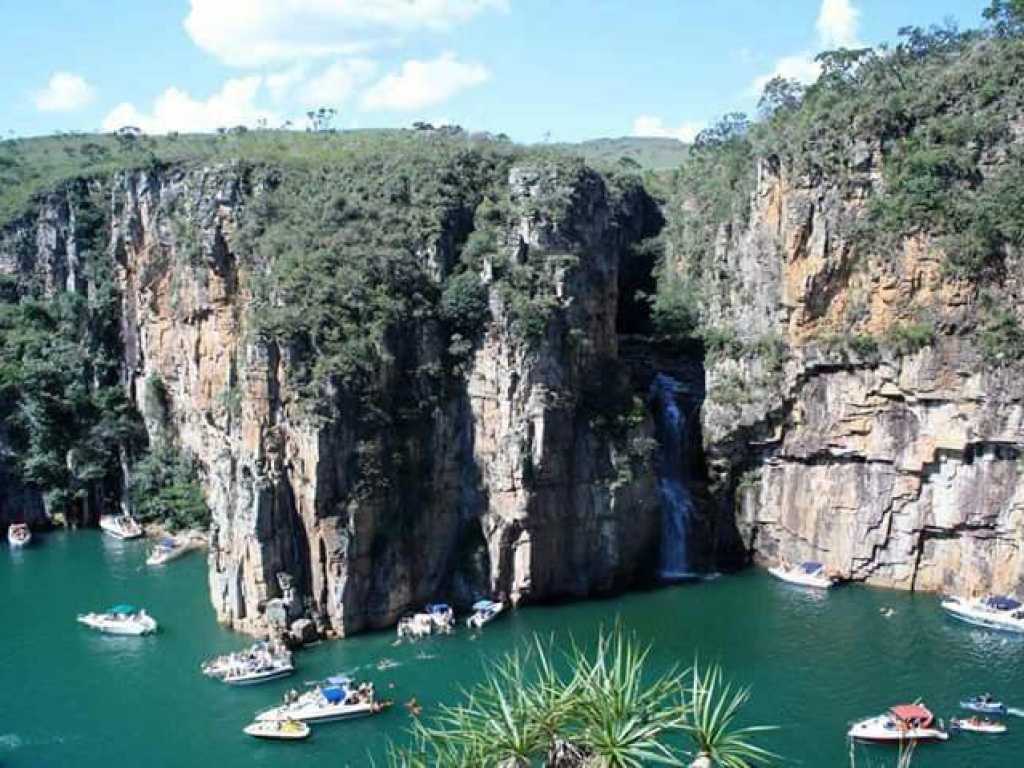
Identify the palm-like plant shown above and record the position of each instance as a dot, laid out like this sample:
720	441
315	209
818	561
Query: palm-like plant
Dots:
713	707
606	712
622	715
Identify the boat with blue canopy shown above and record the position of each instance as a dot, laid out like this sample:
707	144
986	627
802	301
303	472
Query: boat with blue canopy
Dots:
441	616
336	698
1001	612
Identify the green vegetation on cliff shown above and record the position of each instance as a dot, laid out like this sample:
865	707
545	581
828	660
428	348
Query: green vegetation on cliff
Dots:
939	111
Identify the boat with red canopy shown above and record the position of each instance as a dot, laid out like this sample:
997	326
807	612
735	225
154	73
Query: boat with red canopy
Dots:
903	722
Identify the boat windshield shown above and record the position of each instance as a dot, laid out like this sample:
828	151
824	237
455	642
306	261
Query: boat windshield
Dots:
811	567
1002	603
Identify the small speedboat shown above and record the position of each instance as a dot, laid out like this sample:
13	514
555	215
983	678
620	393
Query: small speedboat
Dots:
984	703
281	730
902	723
976	725
167	549
484	612
334	699
807	574
120	620
991	611
19	535
121	526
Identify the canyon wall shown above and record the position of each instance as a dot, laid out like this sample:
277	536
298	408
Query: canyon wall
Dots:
507	486
894	463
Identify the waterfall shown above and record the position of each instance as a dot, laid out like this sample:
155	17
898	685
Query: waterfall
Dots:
677	508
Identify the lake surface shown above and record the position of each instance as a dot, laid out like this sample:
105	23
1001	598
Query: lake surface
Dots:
69	696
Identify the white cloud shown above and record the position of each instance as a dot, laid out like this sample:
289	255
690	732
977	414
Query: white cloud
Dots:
250	33
800	67
648	125
836	26
64	92
175	110
336	84
424	83
280	84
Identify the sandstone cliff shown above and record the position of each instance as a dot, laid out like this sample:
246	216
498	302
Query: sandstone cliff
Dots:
893	463
505	484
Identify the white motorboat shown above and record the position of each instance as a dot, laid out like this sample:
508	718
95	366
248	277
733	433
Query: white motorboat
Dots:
442	616
416	625
120	620
19	535
991	611
254	674
280	730
167	549
976	725
121	526
985	703
484	612
902	723
807	574
256	655
334	699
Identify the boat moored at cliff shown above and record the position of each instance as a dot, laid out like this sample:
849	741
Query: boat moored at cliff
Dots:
120	620
121	526
992	611
809	573
902	723
167	549
19	535
337	698
484	612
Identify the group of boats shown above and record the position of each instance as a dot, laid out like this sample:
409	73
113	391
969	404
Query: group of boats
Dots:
439	618
915	722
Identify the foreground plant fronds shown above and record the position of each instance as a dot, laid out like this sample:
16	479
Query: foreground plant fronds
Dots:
605	710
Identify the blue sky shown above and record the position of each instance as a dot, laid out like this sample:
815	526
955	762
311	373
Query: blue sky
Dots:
568	69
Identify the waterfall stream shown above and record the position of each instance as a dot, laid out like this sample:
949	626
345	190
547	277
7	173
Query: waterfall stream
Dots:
676	501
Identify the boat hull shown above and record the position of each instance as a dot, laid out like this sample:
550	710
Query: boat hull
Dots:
883	730
258	678
266	730
316	715
128	629
979	618
967	726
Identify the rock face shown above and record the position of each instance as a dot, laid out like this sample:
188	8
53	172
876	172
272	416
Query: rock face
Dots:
508	487
894	466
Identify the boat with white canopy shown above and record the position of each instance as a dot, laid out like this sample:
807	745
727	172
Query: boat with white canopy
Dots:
122	619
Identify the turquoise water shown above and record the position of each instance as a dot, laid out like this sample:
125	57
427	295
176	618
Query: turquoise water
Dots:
72	697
